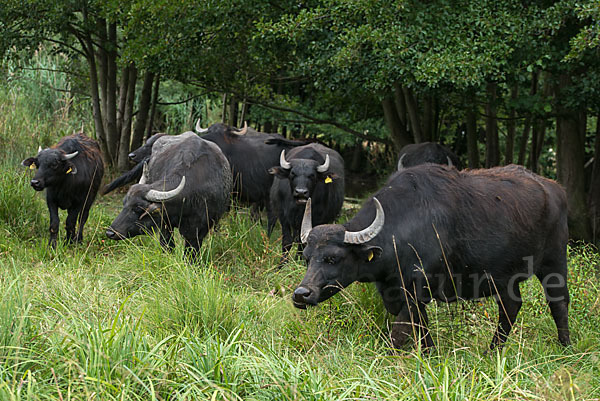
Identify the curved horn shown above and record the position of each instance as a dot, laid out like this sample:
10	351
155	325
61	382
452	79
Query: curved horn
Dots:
370	232
400	166
163	196
144	178
449	161
284	163
39	149
306	226
71	155
243	130
325	166
199	129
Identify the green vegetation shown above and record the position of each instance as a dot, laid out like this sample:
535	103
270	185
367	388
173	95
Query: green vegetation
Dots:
124	320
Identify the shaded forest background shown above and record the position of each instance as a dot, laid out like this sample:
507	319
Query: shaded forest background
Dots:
498	82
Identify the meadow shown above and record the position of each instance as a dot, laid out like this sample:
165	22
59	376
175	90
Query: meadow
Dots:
108	320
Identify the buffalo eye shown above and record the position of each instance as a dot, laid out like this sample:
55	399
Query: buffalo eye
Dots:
330	260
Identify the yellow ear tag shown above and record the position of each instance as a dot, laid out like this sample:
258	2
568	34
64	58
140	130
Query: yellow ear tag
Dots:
328	180
32	166
69	170
370	257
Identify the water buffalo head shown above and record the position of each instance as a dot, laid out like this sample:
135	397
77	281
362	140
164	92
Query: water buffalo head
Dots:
303	175
335	257
53	165
143	210
145	150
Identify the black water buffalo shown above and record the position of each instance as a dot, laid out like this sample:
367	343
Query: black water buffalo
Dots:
433	232
186	184
309	171
71	172
138	156
250	154
427	152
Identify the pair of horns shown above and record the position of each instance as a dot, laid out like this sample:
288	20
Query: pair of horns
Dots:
350	237
160	196
286	165
67	156
401	167
201	130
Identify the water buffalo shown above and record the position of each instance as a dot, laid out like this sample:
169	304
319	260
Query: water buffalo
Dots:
250	154
309	171
71	172
427	152
186	184
433	232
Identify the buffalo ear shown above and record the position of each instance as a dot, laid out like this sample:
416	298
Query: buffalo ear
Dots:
71	169
279	172
369	253
28	162
329	177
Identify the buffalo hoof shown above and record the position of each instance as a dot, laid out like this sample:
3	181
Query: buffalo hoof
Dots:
401	333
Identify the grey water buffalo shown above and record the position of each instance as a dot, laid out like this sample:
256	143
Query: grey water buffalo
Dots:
433	232
186	184
310	171
71	172
427	152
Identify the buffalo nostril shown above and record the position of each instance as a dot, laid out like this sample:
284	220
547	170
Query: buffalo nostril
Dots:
35	182
131	155
301	293
110	234
300	191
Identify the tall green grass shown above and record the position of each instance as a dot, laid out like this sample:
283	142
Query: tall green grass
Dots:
108	320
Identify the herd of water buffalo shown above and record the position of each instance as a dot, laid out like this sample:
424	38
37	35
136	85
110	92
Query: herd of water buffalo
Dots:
433	231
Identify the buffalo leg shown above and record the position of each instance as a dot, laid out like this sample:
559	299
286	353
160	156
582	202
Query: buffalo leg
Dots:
193	241
54	223
286	244
271	220
557	296
71	224
83	216
412	321
403	328
509	304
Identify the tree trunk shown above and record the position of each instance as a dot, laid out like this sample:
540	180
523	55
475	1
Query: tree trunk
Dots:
233	112
112	135
123	162
123	86
428	122
155	93
570	153
102	68
472	148
413	114
594	194
492	151
398	133
95	95
143	111
511	128
224	110
523	141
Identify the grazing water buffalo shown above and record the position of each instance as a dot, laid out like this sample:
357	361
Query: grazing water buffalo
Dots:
427	152
185	184
434	232
309	171
71	172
